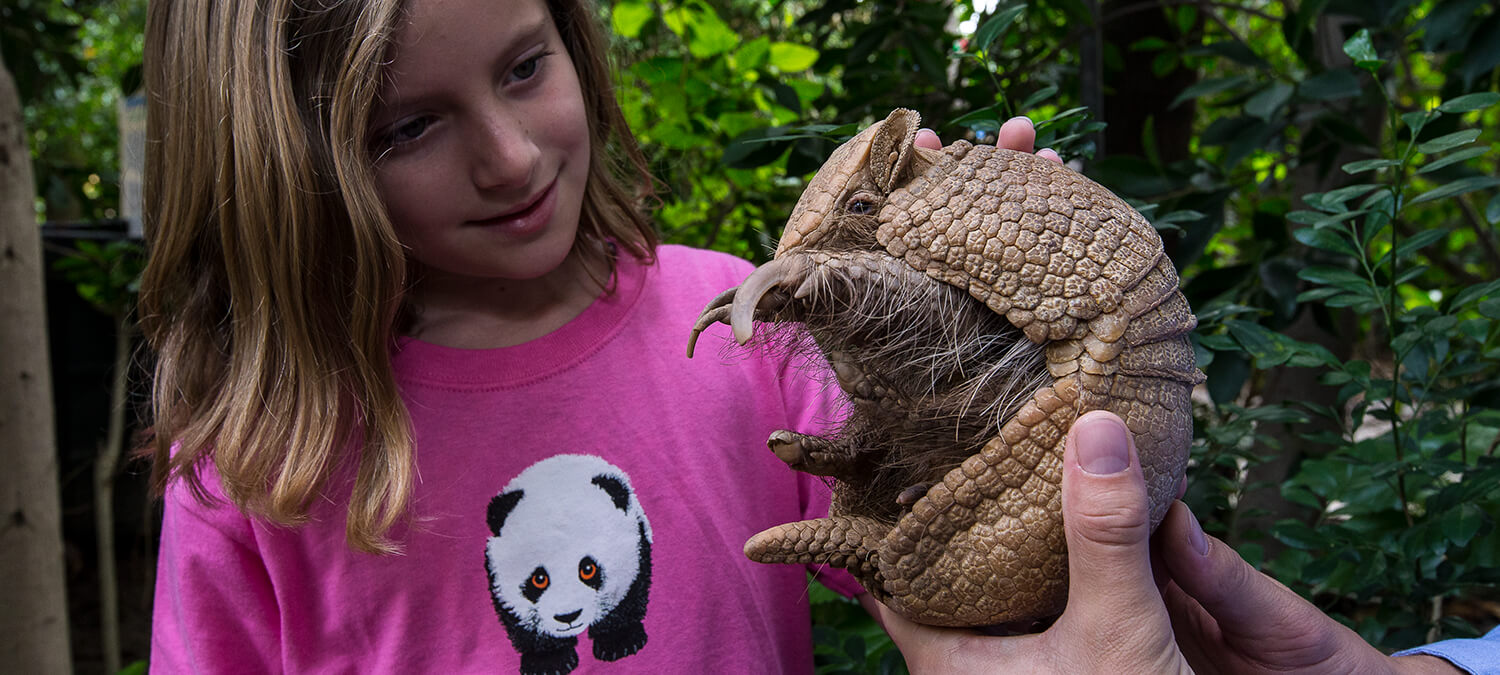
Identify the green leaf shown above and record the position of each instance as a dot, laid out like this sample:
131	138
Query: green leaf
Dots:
1297	535
1490	307
627	18
791	58
1368	164
1362	50
1268	101
1336	276
753	54
1209	87
1472	293
1318	293
1179	216
1420	241
1329	86
1449	141
1041	95
1492	210
1460	156
1462	523
996	26
1458	187
1347	193
1269	349
1470	102
1326	239
1416	120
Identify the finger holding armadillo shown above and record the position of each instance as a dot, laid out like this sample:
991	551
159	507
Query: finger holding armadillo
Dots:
972	302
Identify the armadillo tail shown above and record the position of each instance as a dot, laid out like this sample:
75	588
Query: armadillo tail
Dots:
841	541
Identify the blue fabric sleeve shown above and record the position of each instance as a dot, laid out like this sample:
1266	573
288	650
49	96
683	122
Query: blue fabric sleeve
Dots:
1479	656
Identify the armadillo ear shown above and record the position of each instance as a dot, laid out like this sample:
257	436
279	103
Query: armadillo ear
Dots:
892	148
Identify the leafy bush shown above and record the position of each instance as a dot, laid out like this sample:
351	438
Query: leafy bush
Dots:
1330	200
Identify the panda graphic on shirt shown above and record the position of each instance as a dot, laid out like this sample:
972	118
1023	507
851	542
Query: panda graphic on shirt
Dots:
569	551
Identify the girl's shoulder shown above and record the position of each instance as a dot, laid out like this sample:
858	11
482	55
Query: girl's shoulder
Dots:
685	264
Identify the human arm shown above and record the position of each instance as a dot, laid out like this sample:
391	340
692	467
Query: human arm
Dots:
1230	618
214	610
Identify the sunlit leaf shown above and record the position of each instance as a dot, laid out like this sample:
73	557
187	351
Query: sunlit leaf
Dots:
627	18
791	58
996	26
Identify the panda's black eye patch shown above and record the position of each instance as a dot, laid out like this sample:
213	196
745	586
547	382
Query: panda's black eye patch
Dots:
589	573
536	584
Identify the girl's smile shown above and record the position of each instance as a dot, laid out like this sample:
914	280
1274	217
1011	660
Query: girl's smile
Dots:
527	220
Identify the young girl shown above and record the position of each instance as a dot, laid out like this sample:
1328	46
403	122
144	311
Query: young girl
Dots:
421	401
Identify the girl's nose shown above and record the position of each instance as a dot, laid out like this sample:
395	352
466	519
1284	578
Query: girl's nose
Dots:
504	155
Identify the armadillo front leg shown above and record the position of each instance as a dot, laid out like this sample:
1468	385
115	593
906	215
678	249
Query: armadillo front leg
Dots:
813	454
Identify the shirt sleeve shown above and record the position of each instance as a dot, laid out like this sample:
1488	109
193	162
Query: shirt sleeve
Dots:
1479	656
215	610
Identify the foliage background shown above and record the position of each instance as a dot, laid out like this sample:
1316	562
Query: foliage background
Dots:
1323	173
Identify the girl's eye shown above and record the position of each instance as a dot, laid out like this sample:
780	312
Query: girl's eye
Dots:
405	132
528	68
410	131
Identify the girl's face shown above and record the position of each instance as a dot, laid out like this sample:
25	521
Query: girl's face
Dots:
481	139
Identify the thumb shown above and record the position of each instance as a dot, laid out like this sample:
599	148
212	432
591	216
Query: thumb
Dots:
1106	518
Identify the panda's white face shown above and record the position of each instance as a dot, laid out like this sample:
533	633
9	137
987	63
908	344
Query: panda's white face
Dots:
568	550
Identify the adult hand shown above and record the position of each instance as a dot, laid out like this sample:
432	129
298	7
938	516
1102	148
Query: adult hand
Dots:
1115	620
1016	134
1230	618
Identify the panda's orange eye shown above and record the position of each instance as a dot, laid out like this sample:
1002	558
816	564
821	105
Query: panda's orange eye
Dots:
540	581
587	570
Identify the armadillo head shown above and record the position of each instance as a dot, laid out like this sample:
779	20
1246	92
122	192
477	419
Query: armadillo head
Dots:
838	210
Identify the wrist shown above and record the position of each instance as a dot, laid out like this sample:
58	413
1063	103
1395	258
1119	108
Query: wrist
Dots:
1422	664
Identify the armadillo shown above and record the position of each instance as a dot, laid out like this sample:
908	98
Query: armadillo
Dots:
972	303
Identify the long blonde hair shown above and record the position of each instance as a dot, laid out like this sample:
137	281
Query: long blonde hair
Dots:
275	278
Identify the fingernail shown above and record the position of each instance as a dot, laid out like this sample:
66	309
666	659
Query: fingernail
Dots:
1103	448
1022	117
1196	536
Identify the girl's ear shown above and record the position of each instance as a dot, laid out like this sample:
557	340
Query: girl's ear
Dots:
892	148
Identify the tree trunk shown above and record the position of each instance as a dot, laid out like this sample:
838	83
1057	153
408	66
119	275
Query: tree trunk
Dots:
1139	96
106	468
33	602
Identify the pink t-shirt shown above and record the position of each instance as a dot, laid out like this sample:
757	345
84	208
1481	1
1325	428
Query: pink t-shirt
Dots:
582	502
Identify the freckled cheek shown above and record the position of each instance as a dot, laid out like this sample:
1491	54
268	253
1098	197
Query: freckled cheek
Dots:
412	201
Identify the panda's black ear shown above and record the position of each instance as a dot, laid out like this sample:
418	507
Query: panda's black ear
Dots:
616	489
500	507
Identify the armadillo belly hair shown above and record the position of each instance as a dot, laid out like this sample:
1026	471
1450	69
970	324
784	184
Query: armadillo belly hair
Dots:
928	373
